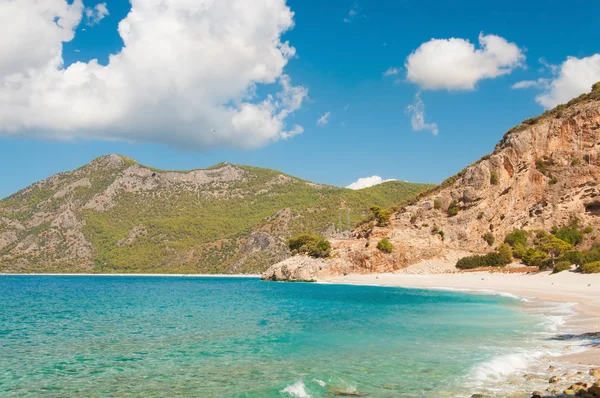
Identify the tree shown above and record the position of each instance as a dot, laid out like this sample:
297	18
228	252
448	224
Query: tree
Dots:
505	252
311	245
517	237
381	216
554	246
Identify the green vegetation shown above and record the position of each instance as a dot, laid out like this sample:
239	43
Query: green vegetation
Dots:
506	253
543	165
437	204
591	268
575	162
561	266
311	245
493	259
569	234
453	209
517	237
385	245
435	230
381	216
189	228
489	238
494	178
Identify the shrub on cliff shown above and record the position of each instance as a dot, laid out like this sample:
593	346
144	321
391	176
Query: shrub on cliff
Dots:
382	216
453	209
385	245
494	178
591	268
517	237
311	245
489	238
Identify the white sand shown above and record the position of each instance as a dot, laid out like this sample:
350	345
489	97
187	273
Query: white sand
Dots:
565	287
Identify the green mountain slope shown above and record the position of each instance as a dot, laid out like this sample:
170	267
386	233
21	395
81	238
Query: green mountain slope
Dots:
114	215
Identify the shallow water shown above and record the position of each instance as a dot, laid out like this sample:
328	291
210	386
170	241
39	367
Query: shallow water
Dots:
98	336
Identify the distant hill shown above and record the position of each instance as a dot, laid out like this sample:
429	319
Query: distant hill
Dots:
114	215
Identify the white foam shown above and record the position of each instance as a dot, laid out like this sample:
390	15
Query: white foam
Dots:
503	366
298	390
319	382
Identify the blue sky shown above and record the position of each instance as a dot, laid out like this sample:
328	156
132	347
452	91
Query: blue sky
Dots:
342	51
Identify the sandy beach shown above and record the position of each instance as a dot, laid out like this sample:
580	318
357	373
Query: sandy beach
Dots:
565	287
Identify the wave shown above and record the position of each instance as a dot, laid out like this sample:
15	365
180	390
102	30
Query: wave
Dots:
298	390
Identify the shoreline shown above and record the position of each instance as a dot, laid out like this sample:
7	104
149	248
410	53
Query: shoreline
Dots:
583	291
250	276
580	331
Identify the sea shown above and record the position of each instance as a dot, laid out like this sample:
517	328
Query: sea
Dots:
158	336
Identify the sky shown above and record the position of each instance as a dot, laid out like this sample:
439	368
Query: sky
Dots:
338	92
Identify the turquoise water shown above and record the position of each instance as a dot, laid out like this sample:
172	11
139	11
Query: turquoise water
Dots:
74	336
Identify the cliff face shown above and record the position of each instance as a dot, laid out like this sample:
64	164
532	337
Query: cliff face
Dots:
543	173
115	215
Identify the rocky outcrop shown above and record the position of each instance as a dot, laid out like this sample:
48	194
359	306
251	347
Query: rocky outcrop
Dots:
295	269
543	173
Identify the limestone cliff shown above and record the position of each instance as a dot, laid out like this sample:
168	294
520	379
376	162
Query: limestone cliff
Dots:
543	173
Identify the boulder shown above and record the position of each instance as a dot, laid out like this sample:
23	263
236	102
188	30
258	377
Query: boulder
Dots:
295	269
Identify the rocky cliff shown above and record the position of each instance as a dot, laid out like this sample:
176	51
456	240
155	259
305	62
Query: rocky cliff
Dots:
543	173
115	215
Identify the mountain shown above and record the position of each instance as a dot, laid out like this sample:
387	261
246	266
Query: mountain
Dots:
543	173
114	215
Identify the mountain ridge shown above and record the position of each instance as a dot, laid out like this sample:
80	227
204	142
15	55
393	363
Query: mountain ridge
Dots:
117	215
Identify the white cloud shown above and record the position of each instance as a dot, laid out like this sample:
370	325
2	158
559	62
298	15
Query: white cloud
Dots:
94	15
455	64
539	83
417	118
366	182
554	69
574	77
186	68
391	71
35	37
351	14
323	120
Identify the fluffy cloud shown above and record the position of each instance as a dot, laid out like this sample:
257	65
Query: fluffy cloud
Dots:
417	116
186	75
36	30
574	77
367	182
455	64
391	72
94	15
323	120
